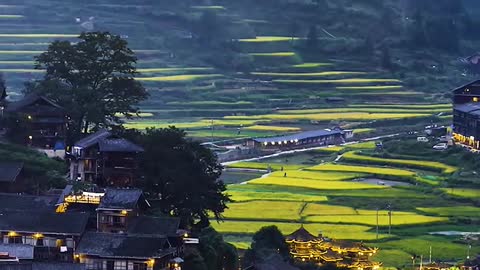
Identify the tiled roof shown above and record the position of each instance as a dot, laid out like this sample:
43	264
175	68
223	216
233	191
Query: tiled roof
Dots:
123	246
472	108
21	251
29	100
10	170
120	199
300	136
301	235
15	202
43	222
143	225
108	142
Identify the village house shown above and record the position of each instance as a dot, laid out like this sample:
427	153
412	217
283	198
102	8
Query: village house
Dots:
43	122
121	237
11	177
105	159
39	235
466	115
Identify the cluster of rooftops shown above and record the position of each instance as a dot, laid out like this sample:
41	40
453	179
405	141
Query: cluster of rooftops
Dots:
138	238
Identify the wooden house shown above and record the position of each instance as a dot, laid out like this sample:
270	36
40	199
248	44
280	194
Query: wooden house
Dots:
52	236
466	114
105	159
117	209
11	177
42	123
105	251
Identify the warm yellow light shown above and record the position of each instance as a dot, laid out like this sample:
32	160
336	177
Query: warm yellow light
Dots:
185	235
30	137
475	99
12	234
77	256
124	212
38	235
151	262
29	117
175	265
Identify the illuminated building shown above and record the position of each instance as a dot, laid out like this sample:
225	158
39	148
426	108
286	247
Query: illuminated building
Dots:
303	139
105	159
305	247
466	115
45	120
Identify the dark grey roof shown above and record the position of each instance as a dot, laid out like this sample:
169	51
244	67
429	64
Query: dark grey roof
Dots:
472	108
470	84
109	245
57	266
29	100
120	199
154	226
93	139
108	142
300	136
43	222
15	202
21	251
118	145
10	170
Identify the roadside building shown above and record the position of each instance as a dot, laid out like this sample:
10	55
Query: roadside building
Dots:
105	159
466	114
11	177
303	139
39	121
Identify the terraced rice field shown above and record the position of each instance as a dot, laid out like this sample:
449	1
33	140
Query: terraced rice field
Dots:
272	128
274	54
352	116
463	192
311	74
312	65
363	169
252	195
427	165
261	39
339	81
191	125
179	78
370	88
465	211
312	184
265	166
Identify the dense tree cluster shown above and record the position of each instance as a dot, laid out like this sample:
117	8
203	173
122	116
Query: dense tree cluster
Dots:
93	79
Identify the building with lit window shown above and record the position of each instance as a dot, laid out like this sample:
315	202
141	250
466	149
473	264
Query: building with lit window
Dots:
305	247
39	122
302	139
466	114
105	159
113	233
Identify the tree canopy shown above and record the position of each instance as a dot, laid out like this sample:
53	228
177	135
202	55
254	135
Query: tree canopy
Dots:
182	174
93	79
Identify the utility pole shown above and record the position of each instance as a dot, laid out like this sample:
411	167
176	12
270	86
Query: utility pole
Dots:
430	259
377	223
468	251
389	207
211	138
421	262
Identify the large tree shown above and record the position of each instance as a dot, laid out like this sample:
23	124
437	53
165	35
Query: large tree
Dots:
93	79
182	174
